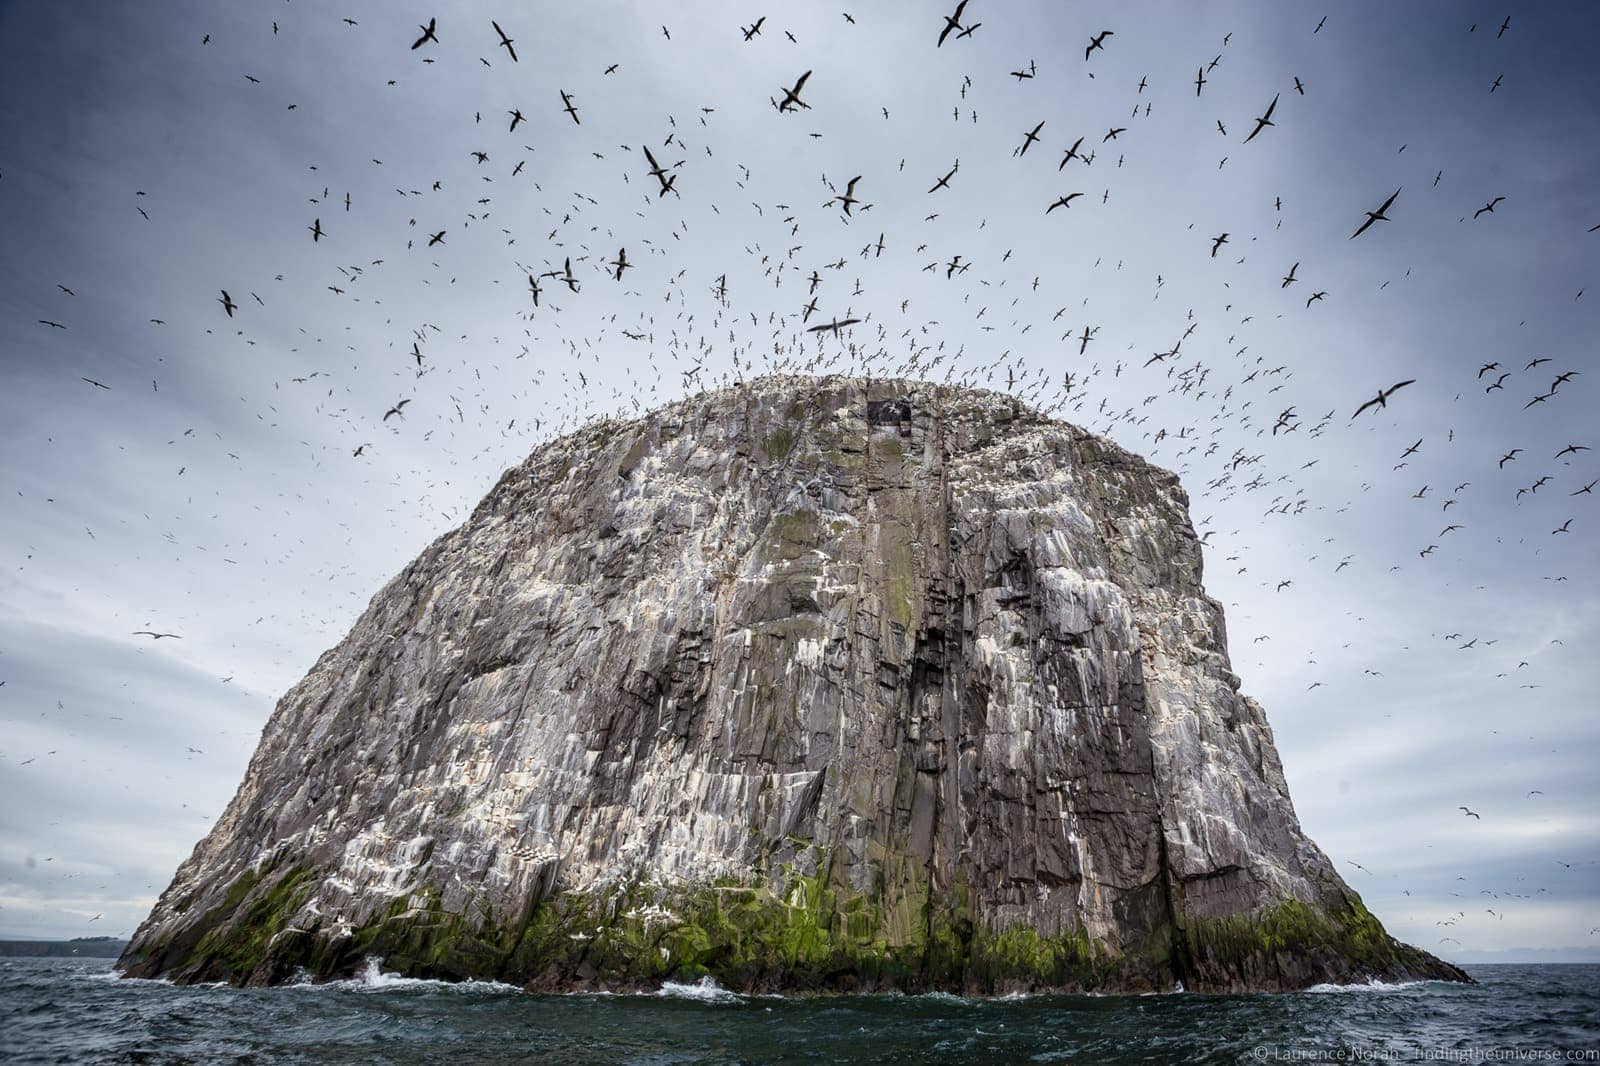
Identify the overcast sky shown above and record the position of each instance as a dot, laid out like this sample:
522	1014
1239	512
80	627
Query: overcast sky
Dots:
152	156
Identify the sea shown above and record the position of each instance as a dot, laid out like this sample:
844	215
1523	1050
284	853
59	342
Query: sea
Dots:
80	1011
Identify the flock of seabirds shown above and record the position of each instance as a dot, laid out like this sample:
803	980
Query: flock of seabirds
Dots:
816	335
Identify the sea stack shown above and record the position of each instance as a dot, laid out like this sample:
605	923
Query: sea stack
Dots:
821	684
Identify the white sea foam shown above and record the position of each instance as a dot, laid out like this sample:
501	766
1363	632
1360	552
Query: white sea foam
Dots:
373	979
1371	985
116	975
137	982
705	990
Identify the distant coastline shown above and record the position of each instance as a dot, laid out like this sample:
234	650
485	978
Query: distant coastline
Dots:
1569	956
85	947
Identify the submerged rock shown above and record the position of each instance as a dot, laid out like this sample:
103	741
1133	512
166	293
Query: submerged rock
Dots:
806	684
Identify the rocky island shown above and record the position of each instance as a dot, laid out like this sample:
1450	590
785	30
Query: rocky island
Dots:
807	684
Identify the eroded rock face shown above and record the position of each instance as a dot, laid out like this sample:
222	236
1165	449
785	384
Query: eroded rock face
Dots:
811	683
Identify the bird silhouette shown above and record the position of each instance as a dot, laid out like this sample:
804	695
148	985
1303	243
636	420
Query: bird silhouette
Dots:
1264	121
1031	136
505	42
1382	399
952	23
1376	216
791	97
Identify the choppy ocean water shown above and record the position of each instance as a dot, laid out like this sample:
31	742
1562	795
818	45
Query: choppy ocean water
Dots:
77	1010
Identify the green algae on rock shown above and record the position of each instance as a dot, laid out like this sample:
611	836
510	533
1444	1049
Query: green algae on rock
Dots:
808	684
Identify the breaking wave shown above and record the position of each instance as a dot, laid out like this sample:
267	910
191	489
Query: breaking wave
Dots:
705	990
1373	985
373	979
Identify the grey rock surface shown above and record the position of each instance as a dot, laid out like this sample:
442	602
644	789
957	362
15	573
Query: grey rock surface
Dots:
808	683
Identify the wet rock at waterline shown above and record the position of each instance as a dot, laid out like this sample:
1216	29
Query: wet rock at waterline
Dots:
824	684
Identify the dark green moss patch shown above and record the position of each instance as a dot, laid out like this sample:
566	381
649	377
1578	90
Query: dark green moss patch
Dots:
800	932
779	442
240	946
793	533
1295	944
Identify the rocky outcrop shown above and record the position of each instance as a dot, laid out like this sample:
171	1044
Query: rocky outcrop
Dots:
805	684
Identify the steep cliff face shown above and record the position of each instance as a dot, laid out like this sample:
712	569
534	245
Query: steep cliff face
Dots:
821	684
